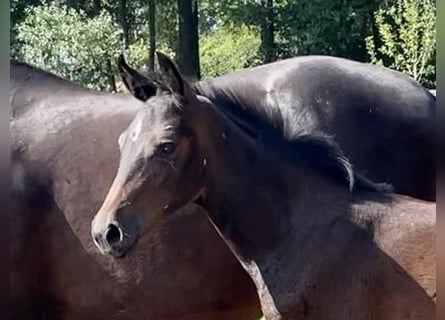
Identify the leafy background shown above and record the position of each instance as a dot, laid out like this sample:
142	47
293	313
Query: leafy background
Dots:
81	39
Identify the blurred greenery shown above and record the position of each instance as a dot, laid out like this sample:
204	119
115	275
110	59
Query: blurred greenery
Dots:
69	43
62	35
407	31
224	50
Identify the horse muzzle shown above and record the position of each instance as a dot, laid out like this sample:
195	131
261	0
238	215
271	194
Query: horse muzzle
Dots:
115	239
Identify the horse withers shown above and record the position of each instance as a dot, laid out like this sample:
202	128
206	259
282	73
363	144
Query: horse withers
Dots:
318	241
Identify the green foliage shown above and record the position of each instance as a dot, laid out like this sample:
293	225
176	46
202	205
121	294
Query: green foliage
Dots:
224	50
17	14
70	44
407	36
334	27
400	35
167	28
137	54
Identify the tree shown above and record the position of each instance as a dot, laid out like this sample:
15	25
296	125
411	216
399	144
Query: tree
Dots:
284	28
335	27
268	47
67	42
188	48
224	50
17	14
152	33
123	22
406	38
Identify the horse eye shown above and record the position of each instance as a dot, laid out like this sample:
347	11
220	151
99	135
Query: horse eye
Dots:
166	149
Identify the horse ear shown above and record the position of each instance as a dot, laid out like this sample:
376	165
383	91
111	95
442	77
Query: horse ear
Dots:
140	86
171	73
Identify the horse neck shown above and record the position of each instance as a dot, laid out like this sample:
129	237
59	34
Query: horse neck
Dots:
257	201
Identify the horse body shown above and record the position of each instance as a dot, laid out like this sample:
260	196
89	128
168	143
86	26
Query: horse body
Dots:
344	271
317	241
383	120
315	251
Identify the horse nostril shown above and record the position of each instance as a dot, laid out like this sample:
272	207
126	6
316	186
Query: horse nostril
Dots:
113	234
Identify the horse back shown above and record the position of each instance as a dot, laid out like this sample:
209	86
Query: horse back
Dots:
382	119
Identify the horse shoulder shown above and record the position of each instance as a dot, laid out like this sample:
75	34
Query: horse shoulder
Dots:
407	233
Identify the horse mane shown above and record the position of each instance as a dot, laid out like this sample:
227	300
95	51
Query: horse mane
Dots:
315	149
254	114
321	153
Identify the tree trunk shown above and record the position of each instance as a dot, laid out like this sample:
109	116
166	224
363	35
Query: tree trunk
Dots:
123	22
152	34
268	47
97	6
188	49
91	8
111	79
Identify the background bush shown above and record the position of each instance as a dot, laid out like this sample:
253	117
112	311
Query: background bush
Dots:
81	39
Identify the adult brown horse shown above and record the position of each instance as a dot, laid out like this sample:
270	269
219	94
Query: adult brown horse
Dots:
59	127
316	243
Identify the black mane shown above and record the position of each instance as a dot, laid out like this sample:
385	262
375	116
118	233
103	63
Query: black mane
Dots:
315	149
322	153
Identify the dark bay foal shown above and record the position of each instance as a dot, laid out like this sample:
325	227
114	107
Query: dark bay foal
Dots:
318	241
64	157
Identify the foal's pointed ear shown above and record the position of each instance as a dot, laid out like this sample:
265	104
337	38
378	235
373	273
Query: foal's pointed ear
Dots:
171	73
140	86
